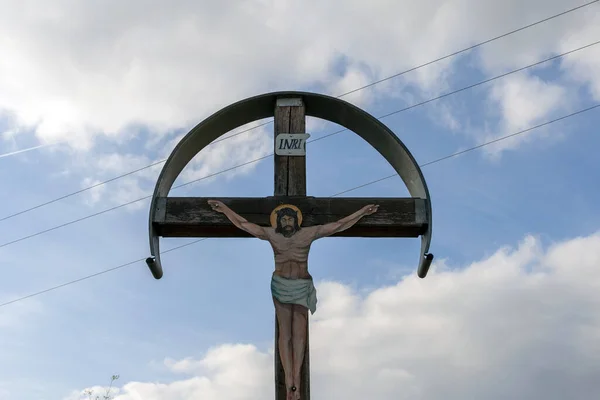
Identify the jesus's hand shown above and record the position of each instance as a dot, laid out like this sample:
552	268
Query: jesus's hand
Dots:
217	205
370	209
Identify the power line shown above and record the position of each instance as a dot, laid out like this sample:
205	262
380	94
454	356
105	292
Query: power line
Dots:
126	204
341	95
473	47
95	275
456	154
310	141
118	177
450	93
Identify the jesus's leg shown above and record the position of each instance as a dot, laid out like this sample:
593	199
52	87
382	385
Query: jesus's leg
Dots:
284	321
299	327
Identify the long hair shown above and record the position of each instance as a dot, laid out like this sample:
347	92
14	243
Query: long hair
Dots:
290	212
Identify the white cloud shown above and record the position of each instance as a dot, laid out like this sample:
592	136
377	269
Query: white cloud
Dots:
75	70
522	323
93	195
226	372
170	66
225	154
523	101
352	79
584	66
123	190
240	146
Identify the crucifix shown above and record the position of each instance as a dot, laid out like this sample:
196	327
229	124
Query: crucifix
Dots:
289	220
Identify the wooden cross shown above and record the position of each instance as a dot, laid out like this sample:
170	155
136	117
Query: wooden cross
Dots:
194	217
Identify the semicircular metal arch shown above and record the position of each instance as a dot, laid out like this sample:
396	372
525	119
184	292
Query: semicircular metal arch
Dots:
373	131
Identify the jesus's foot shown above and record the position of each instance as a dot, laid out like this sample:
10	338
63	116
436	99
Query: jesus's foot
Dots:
295	393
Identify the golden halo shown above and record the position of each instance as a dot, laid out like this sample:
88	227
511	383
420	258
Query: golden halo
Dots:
274	214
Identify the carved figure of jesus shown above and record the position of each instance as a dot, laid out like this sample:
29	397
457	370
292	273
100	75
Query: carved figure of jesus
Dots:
292	286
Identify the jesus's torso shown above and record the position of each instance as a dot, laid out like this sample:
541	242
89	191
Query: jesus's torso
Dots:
291	253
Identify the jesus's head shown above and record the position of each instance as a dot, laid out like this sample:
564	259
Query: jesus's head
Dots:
287	221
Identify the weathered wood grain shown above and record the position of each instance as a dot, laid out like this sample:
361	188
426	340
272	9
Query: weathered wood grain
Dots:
193	217
297	164
290	180
282	125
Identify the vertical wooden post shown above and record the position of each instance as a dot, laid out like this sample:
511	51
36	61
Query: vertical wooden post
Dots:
290	180
290	171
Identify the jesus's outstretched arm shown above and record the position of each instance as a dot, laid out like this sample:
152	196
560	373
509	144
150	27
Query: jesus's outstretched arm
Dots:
344	223
238	220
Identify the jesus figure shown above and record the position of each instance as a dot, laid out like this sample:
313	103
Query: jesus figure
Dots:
291	285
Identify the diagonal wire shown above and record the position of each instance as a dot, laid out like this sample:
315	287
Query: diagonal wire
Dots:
96	274
456	154
514	71
341	95
472	47
310	141
120	176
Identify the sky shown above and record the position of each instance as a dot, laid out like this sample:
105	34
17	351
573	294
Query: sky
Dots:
97	89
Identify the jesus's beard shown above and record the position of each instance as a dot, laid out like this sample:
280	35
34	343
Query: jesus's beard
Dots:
288	231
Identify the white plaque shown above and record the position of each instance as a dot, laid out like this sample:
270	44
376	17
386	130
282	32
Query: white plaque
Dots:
291	144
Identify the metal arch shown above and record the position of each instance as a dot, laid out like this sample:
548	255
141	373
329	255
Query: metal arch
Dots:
262	106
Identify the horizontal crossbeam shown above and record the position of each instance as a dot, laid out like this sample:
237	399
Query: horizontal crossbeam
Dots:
193	216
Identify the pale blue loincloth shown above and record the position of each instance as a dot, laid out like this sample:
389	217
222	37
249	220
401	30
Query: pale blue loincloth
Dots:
295	291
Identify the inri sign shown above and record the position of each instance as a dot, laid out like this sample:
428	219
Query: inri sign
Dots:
291	144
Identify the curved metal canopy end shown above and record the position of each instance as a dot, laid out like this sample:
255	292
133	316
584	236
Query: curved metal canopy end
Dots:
155	267
424	265
332	109
154	261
